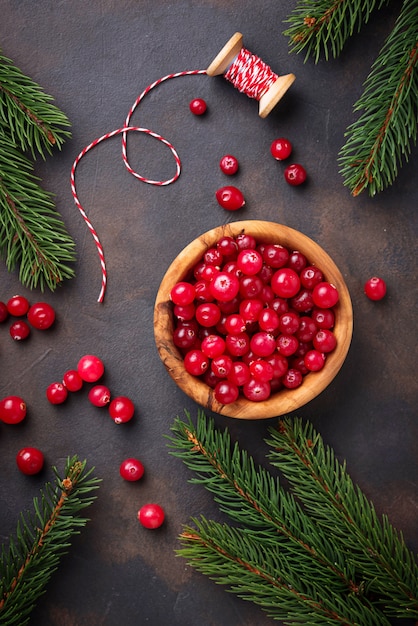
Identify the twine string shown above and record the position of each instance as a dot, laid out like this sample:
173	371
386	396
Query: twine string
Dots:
249	75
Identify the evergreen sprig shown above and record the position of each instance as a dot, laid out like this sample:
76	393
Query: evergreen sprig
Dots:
299	565
321	28
28	114
32	233
42	537
380	140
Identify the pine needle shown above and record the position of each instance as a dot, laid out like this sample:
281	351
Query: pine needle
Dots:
42	538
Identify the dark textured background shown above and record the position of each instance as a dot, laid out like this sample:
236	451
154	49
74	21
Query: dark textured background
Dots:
95	58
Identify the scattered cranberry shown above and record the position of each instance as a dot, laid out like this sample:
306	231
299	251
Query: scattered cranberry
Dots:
295	174
151	516
19	330
375	288
90	368
121	409
99	395
56	393
281	149
30	461
12	410
230	198
18	306
41	315
229	165
198	106
72	380
131	470
4	313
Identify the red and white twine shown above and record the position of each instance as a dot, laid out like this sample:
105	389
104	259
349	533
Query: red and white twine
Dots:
248	73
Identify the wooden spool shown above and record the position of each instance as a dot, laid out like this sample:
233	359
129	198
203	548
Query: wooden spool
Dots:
227	55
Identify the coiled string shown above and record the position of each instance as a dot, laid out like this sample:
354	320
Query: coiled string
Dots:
247	72
250	75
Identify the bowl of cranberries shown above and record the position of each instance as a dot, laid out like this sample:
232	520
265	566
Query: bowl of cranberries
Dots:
253	319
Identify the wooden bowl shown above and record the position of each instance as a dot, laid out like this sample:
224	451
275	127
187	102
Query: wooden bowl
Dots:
285	400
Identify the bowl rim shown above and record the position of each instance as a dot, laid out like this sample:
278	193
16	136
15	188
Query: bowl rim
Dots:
284	401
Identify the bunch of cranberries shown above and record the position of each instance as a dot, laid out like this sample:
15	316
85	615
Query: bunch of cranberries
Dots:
253	318
40	315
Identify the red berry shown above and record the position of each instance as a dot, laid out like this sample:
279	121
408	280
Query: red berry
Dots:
72	380
18	306
226	392
281	149
30	460
56	393
4	313
295	174
314	360
285	282
229	164
230	198
182	293
198	106
375	288
224	286
12	410
121	409
257	390
99	395
90	368
325	295
41	315
151	515
19	330
131	469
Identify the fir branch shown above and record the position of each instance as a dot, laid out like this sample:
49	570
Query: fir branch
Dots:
32	233
42	538
340	508
292	547
380	139
28	113
322	27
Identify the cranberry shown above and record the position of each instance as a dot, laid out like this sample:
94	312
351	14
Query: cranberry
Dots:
268	320
250	309
224	287
275	255
4	313
131	469
90	368
281	149
213	346
375	288
41	315
249	262
121	409
239	374
226	392
238	344
185	336
56	393
314	360
311	276
99	395
324	340
297	261
30	461
198	106
12	410
245	241
323	318
227	246
287	344
295	174
261	370
325	295
18	306
221	365
72	380
263	344
285	282
292	379
230	198
195	362
257	390
208	314
151	515
182	293
19	330
229	164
